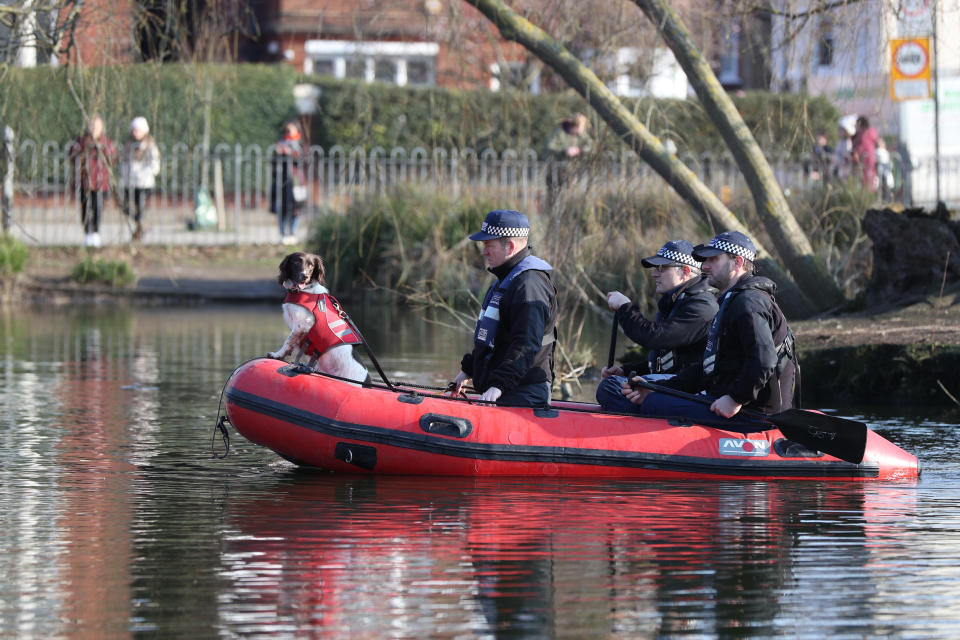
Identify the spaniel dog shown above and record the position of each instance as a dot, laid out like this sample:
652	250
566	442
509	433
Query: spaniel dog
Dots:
301	274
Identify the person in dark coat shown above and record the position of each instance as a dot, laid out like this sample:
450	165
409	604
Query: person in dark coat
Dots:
677	336
749	360
287	191
513	343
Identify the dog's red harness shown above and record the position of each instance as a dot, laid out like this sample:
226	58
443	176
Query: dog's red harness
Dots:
330	327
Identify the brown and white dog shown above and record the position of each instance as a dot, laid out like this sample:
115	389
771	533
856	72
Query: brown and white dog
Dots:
302	273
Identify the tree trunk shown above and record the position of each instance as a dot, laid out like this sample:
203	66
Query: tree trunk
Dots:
788	238
632	132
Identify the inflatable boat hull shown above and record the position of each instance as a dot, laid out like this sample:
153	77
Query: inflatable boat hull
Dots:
318	421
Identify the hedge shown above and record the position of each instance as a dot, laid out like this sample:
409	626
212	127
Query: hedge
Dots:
250	103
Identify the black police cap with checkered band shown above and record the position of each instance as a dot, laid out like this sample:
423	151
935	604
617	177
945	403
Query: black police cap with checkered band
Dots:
673	252
727	242
503	223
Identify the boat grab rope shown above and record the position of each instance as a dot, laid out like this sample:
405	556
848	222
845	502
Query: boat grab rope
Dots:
222	420
353	325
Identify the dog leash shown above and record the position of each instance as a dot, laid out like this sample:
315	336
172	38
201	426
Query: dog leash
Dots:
346	317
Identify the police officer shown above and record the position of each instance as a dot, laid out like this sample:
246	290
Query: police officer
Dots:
677	336
512	358
749	359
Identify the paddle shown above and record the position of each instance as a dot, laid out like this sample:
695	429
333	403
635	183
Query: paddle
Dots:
613	340
841	438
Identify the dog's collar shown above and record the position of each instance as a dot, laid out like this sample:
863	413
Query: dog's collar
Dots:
313	288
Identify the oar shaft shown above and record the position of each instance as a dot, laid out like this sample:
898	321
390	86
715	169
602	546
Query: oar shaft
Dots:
695	398
613	340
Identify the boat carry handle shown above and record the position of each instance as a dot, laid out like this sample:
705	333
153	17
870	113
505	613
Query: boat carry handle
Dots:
445	425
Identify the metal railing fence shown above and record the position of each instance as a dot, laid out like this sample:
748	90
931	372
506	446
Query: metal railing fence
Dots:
45	207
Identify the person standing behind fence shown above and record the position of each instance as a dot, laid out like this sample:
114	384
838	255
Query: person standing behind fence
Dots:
865	152
92	155
287	190
568	142
139	167
843	151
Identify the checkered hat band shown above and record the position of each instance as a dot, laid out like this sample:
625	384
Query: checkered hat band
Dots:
505	232
676	256
735	249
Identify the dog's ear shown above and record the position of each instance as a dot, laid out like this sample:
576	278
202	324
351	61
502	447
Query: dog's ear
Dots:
283	270
318	269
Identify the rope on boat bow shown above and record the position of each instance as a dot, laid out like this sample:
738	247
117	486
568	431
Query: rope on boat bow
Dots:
222	421
222	427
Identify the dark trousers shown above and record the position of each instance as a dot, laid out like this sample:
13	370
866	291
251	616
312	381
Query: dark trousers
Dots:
138	198
91	204
528	395
668	406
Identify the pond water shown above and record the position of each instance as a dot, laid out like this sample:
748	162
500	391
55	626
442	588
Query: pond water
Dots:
118	523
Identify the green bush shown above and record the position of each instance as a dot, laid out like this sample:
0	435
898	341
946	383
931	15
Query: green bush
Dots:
354	113
249	103
94	270
409	238
13	256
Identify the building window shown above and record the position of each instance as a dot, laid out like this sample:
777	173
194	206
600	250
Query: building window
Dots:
420	72
825	46
385	70
642	72
515	76
398	63
730	56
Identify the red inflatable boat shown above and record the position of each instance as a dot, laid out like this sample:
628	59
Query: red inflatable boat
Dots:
314	420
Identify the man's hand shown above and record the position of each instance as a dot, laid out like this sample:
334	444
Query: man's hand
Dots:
573	151
615	370
634	393
725	406
615	300
456	387
491	394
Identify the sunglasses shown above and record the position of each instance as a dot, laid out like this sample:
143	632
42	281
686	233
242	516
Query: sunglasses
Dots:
660	268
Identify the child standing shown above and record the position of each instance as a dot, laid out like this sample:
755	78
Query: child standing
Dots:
139	167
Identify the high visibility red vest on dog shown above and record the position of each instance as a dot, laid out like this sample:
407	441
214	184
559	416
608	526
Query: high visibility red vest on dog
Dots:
329	328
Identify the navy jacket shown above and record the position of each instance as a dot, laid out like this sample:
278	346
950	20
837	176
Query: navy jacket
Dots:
748	367
678	334
528	312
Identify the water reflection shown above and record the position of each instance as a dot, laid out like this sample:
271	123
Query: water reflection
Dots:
117	523
378	556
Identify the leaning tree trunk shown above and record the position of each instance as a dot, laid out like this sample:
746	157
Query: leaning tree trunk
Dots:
788	238
516	28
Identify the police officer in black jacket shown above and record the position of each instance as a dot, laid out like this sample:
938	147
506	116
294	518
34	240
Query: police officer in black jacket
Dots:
749	359
513	343
676	337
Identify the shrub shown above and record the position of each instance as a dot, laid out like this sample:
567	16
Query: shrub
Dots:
13	256
249	103
110	273
410	238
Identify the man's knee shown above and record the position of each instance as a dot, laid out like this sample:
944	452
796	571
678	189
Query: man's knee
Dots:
609	387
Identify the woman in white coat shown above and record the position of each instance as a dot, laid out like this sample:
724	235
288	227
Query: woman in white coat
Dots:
139	166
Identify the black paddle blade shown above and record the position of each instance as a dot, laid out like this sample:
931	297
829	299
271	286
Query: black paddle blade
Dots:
839	437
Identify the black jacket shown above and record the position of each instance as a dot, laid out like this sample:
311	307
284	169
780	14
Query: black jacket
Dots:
678	334
528	312
748	367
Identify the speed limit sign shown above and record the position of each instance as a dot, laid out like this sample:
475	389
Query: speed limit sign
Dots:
910	68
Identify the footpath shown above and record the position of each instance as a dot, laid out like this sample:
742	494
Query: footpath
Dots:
909	354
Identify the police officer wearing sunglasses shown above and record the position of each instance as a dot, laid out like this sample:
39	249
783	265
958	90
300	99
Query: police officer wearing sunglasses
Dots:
677	336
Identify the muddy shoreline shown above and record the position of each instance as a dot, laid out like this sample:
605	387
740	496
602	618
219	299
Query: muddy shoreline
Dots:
890	355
